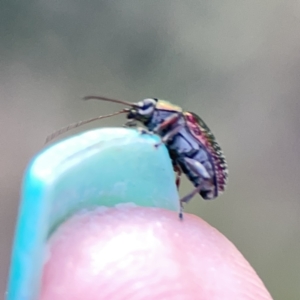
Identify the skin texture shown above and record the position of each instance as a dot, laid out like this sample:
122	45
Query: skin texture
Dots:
145	253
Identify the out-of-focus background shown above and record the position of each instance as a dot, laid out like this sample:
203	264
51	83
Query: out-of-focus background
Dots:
235	63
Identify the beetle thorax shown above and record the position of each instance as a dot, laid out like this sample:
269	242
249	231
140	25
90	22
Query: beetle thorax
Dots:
157	118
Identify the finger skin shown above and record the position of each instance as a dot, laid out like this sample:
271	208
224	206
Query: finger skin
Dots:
145	253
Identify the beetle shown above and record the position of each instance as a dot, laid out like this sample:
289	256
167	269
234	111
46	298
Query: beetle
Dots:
192	147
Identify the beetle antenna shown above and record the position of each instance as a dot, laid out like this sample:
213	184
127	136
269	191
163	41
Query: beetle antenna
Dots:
80	123
109	100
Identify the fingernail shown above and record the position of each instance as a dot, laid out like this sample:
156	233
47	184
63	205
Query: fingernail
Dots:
102	167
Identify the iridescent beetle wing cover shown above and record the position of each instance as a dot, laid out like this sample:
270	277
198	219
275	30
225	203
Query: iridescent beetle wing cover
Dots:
203	134
165	105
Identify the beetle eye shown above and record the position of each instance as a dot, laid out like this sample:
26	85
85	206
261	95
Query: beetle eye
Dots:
147	106
149	101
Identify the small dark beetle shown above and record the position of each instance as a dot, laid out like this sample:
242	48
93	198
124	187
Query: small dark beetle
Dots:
192	147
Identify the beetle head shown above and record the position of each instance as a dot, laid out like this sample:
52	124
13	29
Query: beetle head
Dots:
143	110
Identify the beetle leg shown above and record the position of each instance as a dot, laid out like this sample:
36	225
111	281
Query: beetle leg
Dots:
178	174
181	211
177	182
200	170
187	198
167	122
169	135
130	123
143	130
197	167
178	171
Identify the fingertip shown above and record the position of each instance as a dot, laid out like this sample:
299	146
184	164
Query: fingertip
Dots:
145	253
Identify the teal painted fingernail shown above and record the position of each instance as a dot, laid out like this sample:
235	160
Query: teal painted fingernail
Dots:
102	167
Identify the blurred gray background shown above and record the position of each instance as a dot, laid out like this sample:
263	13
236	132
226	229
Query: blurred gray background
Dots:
235	63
